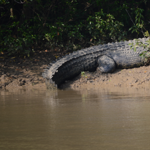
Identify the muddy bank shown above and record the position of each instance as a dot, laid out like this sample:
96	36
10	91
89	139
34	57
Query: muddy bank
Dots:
27	74
19	73
120	80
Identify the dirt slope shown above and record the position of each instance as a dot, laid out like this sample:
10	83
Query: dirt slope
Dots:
27	73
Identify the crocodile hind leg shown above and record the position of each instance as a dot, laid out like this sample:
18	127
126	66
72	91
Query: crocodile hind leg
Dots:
106	64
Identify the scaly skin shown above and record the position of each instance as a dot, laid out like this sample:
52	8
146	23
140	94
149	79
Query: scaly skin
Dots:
107	56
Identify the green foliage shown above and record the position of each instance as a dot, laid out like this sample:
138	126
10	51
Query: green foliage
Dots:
61	34
83	74
3	2
68	24
16	39
138	28
103	27
146	46
139	22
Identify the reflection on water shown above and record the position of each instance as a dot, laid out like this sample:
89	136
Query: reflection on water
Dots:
70	120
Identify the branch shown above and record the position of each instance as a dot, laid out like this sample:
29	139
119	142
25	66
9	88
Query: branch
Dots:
20	2
133	21
130	17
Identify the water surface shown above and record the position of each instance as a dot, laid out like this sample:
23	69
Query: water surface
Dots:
71	120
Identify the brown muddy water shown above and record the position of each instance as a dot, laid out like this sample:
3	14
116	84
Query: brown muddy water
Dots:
71	120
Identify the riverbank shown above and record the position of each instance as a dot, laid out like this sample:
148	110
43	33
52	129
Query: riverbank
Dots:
25	73
122	80
19	73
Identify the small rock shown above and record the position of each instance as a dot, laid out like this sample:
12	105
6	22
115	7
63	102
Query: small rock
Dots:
3	78
22	82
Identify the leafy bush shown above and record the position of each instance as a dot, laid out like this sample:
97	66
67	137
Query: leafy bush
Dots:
67	24
139	23
103	27
17	39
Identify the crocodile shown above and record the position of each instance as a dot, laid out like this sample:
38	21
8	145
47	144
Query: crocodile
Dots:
105	57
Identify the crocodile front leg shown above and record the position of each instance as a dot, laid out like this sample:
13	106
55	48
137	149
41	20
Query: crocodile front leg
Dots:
106	64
